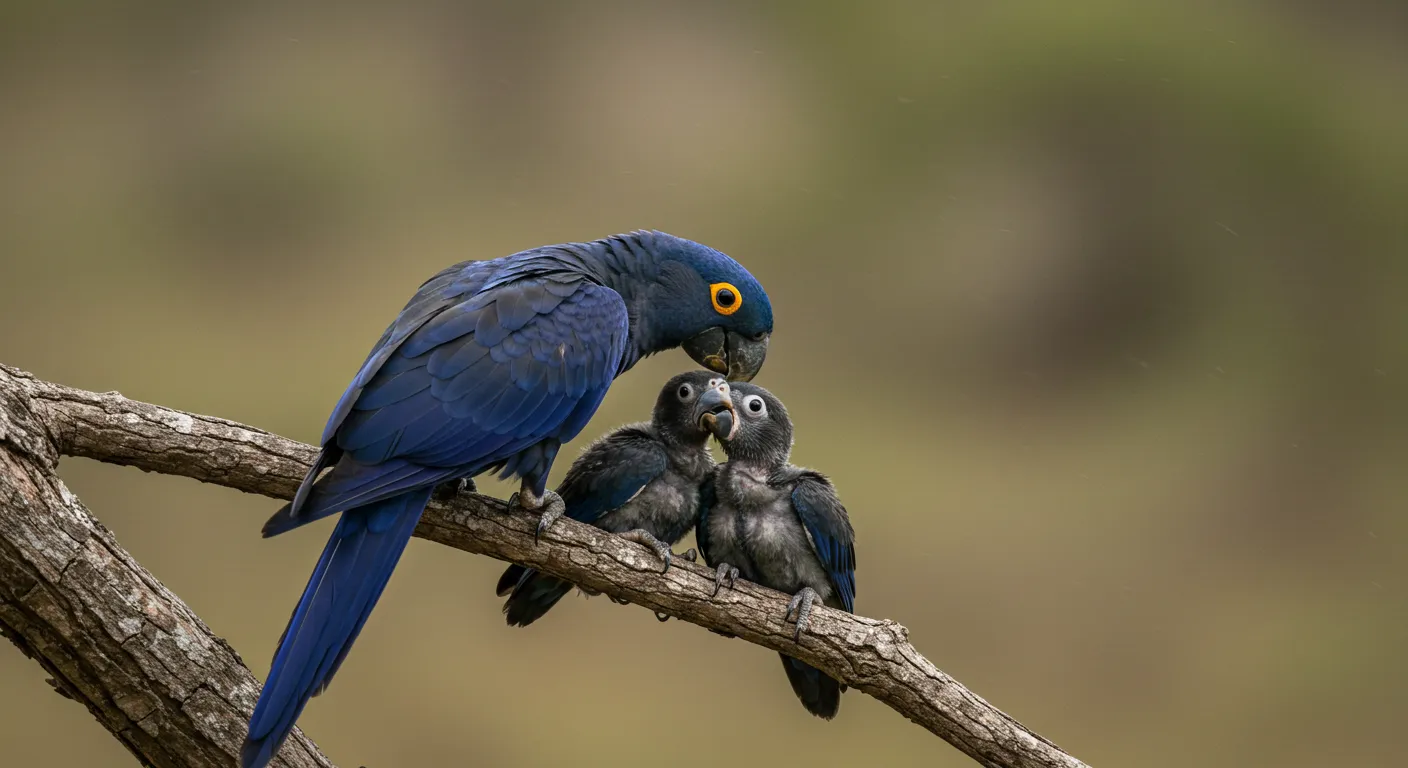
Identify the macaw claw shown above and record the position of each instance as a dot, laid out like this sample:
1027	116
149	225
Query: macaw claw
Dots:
647	539
802	604
724	572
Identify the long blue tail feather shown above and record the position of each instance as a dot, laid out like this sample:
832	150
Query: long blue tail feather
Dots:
351	574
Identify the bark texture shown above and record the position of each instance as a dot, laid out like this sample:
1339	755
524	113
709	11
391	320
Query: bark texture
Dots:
108	633
177	695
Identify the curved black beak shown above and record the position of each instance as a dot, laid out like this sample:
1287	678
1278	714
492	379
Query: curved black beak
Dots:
737	357
714	412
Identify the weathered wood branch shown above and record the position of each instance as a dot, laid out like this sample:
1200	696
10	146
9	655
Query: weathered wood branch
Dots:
871	655
107	632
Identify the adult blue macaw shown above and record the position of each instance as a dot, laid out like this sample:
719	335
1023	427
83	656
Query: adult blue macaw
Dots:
491	366
780	526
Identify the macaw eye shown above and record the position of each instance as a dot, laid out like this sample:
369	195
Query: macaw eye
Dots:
726	298
685	392
755	405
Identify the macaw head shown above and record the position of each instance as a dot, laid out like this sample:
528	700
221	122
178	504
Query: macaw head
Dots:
707	303
691	406
763	434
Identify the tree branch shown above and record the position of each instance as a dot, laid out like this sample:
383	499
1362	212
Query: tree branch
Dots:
109	634
868	654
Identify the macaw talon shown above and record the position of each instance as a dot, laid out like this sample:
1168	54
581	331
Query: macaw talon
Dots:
545	521
450	489
802	604
662	617
647	539
690	555
724	572
618	600
549	507
524	498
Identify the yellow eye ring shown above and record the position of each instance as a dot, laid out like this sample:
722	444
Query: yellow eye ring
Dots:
726	297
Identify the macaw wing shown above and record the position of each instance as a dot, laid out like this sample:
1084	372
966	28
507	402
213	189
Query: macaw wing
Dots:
482	375
610	473
833	540
442	291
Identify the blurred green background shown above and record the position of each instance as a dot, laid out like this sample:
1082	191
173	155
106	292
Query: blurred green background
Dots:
1094	310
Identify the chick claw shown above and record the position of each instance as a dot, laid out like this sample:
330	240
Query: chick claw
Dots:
647	539
802	604
724	572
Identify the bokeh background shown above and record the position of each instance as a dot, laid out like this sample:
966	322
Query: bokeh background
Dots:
1094	310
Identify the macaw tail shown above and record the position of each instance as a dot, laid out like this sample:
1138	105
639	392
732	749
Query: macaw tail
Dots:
534	595
351	574
820	694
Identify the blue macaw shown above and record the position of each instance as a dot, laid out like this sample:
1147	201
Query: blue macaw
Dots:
491	366
640	481
780	526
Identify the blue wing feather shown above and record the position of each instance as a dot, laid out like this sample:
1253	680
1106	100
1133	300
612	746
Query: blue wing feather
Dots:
821	513
434	296
450	359
392	389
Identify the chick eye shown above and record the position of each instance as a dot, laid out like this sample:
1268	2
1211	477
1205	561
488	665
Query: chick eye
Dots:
755	405
685	391
726	298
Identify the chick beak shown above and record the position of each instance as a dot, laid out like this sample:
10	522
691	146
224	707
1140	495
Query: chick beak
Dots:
716	414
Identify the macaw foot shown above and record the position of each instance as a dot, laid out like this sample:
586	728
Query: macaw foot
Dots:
549	507
618	600
647	539
692	556
448	490
549	516
802	604
724	572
